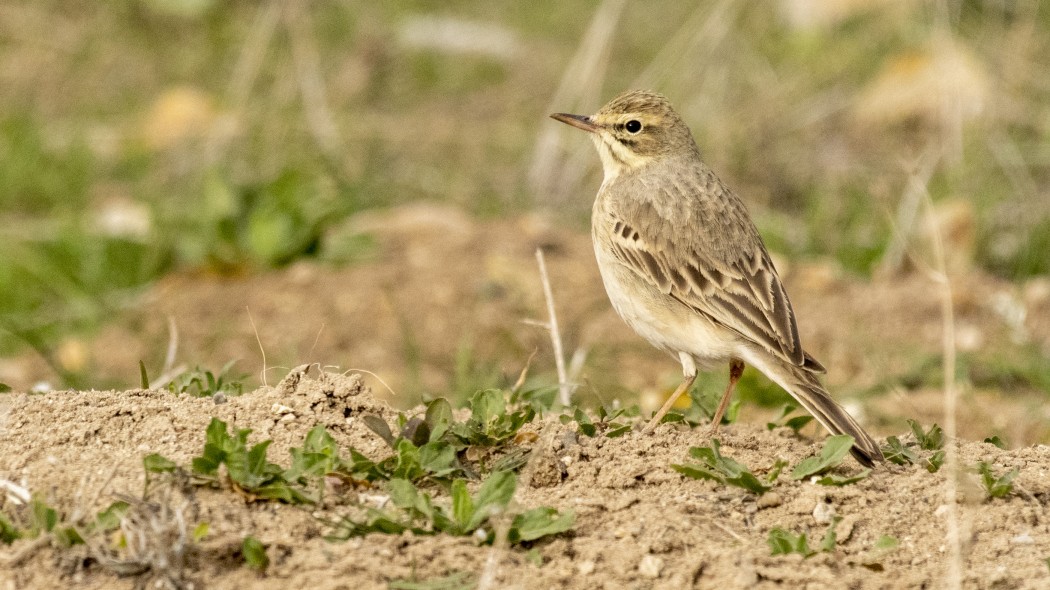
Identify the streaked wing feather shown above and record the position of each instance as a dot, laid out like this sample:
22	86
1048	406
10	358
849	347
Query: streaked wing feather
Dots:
745	295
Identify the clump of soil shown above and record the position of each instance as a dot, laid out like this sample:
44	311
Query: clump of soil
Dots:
638	522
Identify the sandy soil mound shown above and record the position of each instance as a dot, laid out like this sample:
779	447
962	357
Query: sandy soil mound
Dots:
638	523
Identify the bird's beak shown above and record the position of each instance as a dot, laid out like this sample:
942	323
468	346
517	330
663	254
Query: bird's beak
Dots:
577	121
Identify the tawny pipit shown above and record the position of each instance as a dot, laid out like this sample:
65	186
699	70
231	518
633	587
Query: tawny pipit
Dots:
685	267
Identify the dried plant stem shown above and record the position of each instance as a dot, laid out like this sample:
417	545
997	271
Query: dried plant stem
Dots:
954	575
564	389
258	340
550	176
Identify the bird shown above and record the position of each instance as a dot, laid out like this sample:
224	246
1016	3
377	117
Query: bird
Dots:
685	267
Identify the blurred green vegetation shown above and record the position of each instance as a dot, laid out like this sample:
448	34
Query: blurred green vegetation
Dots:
139	138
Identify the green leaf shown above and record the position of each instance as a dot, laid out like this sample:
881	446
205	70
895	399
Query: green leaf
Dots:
200	531
617	430
487	405
995	440
109	518
281	491
143	377
380	427
586	427
540	522
834	451
830	540
67	536
9	533
218	444
886	543
438	418
417	431
930	440
404	495
155	463
42	519
438	458
934	462
897	452
5	388
833	479
406	461
782	542
462	504
774	472
798	422
254	554
712	465
493	496
996	486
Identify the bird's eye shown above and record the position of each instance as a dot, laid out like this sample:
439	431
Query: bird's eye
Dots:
633	126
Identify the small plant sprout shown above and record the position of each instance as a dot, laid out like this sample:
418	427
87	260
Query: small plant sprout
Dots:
783	542
995	485
254	554
835	450
203	383
795	423
931	441
995	440
468	514
715	467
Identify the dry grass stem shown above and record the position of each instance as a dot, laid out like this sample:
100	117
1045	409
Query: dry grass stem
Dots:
262	350
564	389
954	575
550	175
306	59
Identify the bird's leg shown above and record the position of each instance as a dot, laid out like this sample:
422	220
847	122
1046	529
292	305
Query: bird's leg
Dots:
682	388
689	372
736	368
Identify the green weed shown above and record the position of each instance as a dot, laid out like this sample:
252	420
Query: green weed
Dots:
795	423
203	383
417	512
715	467
995	485
835	450
931	441
254	554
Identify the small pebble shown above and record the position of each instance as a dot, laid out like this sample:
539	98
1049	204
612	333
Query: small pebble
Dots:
1023	539
585	568
219	398
650	566
769	500
823	512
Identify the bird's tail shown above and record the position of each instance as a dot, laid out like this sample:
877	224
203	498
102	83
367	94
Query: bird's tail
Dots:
807	390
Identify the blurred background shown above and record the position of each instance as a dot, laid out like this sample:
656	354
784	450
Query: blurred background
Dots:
193	183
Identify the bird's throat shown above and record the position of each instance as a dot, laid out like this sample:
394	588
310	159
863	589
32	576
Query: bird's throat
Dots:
616	158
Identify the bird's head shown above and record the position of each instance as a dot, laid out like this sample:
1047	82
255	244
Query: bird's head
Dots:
633	130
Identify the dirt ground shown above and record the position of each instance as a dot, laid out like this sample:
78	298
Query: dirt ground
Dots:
639	524
438	308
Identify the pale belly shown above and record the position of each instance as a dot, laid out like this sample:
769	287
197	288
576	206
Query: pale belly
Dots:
665	322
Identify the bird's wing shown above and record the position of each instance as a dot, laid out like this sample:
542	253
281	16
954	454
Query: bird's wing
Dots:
738	288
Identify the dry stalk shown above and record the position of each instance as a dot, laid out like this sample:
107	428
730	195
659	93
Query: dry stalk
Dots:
564	389
951	146
306	57
907	214
259	341
550	175
951	459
